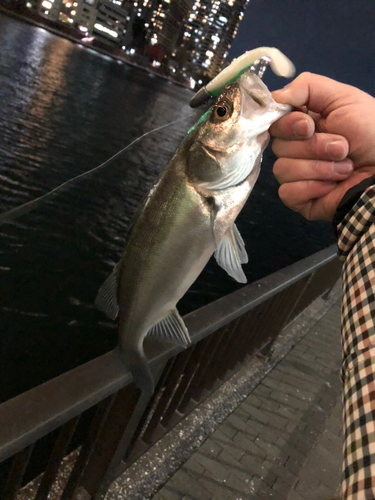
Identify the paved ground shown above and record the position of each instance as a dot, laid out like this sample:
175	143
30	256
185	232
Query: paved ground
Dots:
284	441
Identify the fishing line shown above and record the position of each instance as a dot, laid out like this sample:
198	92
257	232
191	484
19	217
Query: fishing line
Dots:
27	207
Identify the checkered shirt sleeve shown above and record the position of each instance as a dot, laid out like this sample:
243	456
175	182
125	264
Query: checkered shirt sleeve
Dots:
357	249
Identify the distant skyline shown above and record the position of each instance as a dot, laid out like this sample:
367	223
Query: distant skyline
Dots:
335	38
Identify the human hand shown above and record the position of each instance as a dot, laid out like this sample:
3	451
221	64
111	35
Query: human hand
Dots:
326	151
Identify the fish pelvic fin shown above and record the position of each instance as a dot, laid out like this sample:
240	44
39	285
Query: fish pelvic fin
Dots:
136	361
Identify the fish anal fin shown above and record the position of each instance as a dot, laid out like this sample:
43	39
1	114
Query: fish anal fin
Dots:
230	254
171	329
106	300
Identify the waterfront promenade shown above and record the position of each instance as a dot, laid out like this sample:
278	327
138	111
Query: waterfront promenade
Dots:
284	441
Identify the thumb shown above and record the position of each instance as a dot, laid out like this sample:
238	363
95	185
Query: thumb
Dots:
318	93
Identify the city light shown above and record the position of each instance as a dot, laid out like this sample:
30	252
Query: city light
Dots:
132	51
83	28
46	4
106	30
29	5
73	13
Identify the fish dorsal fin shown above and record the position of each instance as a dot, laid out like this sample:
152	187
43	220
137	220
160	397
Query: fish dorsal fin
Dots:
106	300
231	253
171	329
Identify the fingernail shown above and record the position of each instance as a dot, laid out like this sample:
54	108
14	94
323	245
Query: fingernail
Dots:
335	149
343	167
301	128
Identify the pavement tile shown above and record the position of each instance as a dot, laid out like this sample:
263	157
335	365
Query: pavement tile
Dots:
228	429
244	442
236	483
218	489
231	448
255	466
281	487
286	388
188	484
213	467
261	390
193	465
242	413
237	423
265	449
227	459
221	437
263	403
211	447
261	416
289	401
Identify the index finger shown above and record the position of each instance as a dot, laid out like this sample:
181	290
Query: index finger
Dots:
318	93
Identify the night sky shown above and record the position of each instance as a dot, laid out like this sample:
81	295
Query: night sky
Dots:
335	38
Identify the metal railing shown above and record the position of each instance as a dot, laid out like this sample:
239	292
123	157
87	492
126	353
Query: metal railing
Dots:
96	410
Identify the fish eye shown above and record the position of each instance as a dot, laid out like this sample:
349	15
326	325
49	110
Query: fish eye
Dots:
222	111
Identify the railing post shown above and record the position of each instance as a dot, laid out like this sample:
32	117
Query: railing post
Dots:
103	469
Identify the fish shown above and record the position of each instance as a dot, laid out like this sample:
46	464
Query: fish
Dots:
187	216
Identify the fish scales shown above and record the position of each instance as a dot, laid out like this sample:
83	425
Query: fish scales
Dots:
166	260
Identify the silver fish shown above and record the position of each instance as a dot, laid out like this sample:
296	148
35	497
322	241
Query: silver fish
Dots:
187	216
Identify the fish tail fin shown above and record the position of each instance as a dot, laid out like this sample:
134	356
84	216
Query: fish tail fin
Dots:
136	361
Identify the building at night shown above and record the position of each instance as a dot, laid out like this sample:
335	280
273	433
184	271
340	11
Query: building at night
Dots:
51	9
86	16
209	32
167	21
79	13
114	21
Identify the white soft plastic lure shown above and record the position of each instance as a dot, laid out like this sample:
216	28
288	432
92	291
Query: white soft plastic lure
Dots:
280	65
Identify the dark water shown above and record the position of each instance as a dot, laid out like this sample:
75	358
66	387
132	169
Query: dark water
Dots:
65	109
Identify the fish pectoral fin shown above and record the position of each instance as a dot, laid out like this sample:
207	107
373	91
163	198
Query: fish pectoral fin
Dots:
106	300
230	254
171	329
244	259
